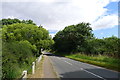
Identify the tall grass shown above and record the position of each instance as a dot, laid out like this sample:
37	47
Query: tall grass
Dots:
100	60
16	57
14	70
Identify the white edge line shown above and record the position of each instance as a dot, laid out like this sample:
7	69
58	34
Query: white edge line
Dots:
93	74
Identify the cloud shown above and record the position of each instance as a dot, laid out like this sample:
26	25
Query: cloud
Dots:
12	17
114	0
108	21
57	14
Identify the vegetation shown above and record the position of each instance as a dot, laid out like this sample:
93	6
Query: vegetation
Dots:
13	21
21	44
78	42
79	38
72	37
99	60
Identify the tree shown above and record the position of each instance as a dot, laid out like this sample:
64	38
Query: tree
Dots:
106	46
15	20
29	32
9	21
111	46
72	37
28	22
21	43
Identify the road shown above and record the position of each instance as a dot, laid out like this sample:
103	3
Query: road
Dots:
68	69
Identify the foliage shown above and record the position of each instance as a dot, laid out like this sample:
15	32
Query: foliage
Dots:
15	55
29	32
100	60
13	21
79	38
72	37
22	42
107	46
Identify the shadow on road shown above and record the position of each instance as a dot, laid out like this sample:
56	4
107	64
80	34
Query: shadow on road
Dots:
50	54
81	75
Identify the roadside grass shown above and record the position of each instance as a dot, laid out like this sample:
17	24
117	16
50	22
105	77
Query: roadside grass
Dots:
38	70
14	70
99	60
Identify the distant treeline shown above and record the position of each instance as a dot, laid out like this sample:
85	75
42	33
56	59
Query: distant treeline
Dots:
13	21
79	38
22	42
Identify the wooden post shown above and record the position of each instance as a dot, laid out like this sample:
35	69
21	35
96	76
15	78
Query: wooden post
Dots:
24	75
33	68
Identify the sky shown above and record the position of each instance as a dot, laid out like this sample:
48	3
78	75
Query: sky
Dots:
55	15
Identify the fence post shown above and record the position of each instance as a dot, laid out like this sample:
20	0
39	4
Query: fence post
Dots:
36	61
39	58
24	75
33	67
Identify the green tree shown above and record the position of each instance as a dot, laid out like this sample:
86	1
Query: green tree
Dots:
111	45
106	46
29	32
15	20
21	43
72	37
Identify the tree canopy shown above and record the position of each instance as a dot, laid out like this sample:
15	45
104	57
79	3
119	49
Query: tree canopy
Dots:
22	42
72	37
79	38
15	20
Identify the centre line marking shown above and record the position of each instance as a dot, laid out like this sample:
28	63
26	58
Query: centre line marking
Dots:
93	74
68	62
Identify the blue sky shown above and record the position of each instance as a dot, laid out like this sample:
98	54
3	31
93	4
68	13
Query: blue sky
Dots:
55	15
113	9
106	32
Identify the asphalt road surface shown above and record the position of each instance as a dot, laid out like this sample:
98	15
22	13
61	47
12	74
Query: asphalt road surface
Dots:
68	69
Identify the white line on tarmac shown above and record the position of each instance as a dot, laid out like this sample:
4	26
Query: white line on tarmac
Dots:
68	62
59	58
93	74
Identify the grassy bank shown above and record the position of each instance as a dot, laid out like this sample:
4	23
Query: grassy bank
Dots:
14	70
99	60
38	70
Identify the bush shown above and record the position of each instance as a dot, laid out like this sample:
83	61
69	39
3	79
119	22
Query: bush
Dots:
15	56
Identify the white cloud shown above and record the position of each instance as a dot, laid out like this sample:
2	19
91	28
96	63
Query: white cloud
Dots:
47	1
114	0
56	14
108	21
12	17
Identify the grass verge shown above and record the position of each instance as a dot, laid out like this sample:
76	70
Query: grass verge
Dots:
38	70
99	60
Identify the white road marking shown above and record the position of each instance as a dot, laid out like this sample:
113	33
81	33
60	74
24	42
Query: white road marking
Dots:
60	76
92	73
68	62
59	58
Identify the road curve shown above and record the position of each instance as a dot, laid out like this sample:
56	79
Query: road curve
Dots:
69	69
